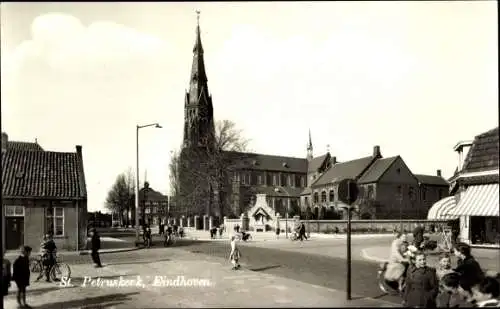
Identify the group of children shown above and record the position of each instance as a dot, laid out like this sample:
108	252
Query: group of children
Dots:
20	275
453	295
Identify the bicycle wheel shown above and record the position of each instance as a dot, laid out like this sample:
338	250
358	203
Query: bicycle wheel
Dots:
35	265
60	270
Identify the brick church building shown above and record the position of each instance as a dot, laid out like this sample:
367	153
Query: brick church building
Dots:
224	183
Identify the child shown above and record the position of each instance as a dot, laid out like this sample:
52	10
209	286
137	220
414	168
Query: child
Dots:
22	275
449	296
486	293
444	267
235	253
6	275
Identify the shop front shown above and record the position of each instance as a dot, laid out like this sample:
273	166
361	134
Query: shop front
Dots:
478	208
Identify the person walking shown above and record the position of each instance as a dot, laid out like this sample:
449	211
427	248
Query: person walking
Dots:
21	275
95	246
302	232
422	285
6	275
235	254
469	269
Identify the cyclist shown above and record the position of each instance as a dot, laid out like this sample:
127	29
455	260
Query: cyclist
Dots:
49	249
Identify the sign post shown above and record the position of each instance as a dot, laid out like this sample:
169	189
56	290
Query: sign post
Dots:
348	193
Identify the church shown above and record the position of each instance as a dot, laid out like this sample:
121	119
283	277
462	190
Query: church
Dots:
225	183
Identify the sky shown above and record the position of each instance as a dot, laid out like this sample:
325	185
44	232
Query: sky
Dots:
412	77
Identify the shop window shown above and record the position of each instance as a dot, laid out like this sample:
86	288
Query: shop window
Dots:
55	221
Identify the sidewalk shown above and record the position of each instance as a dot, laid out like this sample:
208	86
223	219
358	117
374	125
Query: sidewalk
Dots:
271	236
213	284
487	258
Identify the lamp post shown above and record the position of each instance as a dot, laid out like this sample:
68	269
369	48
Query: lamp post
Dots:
156	125
277	190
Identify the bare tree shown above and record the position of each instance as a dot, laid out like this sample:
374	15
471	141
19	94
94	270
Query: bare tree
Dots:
120	195
211	176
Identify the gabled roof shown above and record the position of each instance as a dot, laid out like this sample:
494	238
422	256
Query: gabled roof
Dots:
432	180
317	163
42	174
340	171
152	195
256	161
483	154
377	169
28	146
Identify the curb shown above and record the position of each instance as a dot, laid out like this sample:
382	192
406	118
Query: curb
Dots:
369	257
87	252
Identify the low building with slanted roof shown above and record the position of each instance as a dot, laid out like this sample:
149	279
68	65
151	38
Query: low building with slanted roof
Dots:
42	192
475	187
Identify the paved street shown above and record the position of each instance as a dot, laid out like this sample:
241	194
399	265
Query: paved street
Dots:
217	286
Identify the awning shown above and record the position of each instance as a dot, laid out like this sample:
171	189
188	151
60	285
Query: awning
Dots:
442	209
479	201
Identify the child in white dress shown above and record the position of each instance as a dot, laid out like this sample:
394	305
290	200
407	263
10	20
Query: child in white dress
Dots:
235	253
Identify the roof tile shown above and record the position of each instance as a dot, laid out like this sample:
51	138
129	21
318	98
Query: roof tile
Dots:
28	173
345	170
432	180
255	161
484	153
28	146
377	169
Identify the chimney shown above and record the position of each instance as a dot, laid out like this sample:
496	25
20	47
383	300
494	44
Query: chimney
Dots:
439	173
79	150
5	139
376	151
334	160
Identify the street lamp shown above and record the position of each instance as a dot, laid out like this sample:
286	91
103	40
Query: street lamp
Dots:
277	190
156	125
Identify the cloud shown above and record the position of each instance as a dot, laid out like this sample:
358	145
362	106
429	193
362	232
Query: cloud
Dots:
65	45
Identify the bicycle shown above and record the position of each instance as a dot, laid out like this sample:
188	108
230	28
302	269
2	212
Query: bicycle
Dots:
169	240
59	269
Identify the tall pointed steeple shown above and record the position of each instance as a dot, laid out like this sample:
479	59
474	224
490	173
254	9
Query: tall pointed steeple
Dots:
198	120
310	147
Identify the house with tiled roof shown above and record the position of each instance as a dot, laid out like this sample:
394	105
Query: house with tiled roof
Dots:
387	189
475	191
43	192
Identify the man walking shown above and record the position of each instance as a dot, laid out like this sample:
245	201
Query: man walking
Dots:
302	232
95	243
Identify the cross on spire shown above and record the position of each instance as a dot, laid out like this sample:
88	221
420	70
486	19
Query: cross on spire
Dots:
198	17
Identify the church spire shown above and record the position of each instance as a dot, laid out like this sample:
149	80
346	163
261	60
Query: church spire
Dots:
310	147
198	74
198	120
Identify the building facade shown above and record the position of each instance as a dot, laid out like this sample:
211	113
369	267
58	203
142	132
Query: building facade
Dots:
154	206
293	186
475	187
42	192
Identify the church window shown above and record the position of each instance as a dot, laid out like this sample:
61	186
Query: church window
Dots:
316	198
332	196
424	194
243	179
297	181
323	197
249	179
275	180
303	181
259	179
290	180
370	191
283	179
268	179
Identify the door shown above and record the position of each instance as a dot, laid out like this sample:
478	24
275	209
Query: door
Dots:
14	232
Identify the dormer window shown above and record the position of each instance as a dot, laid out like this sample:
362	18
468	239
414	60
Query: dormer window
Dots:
255	163
285	164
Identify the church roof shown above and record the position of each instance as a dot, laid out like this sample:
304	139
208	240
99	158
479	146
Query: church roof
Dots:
317	162
257	161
